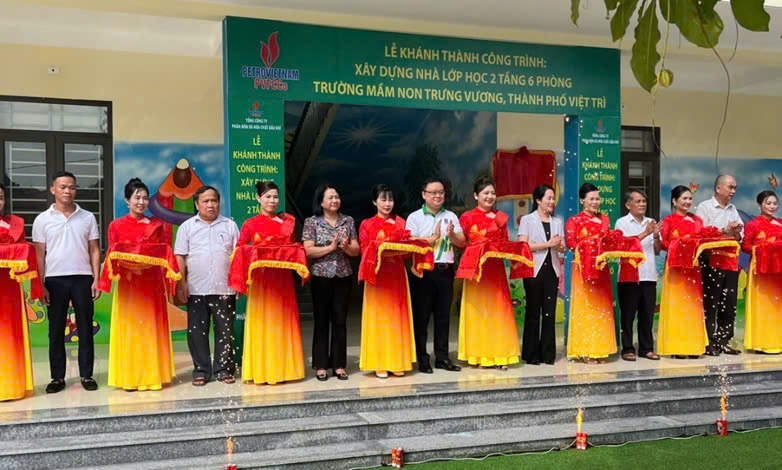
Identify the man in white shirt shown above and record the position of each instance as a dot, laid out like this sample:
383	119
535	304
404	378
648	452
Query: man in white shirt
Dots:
66	240
640	296
203	248
432	294
720	286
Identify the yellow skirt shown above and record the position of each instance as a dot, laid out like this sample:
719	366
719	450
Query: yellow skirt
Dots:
591	330
682	329
387	342
16	368
140	350
272	333
763	328
487	326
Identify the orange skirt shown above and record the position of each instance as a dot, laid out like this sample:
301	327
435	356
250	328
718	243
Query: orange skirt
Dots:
140	350
488	335
682	329
387	342
591	330
272	333
16	368
763	325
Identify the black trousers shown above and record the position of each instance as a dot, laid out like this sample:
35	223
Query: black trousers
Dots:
638	297
202	310
330	297
720	290
538	340
65	290
431	295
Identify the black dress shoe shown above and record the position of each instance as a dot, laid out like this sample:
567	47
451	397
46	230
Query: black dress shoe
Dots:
551	362
728	350
89	384
447	365
712	351
533	363
425	368
56	385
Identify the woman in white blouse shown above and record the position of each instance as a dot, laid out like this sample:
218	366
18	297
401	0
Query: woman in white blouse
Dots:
546	237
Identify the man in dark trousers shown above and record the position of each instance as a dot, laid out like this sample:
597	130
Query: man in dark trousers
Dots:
720	286
432	294
67	244
203	248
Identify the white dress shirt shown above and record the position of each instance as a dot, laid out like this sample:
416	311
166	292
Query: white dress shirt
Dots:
207	248
630	227
532	227
713	214
422	223
67	241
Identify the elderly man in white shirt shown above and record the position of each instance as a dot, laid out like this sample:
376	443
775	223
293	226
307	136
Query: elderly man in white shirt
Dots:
203	249
639	296
720	287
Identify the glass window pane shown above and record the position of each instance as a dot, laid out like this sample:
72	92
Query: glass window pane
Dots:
25	169
53	117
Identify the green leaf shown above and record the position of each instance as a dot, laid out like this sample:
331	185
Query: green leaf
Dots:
621	19
699	23
644	54
668	9
574	4
611	4
750	14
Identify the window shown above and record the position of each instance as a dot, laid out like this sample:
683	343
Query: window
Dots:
641	166
39	138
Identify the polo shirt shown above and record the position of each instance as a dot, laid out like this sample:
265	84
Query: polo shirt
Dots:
422	223
67	240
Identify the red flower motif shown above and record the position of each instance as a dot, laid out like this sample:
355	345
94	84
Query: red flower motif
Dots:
270	52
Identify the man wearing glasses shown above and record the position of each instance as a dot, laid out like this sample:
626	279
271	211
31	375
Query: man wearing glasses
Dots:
432	294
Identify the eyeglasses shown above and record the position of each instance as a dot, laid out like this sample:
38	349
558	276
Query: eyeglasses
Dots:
435	193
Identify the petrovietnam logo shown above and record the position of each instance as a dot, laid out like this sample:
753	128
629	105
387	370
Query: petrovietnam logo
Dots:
268	77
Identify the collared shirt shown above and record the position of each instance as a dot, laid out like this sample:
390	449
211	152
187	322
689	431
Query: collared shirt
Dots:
67	241
422	223
318	230
207	248
630	227
713	214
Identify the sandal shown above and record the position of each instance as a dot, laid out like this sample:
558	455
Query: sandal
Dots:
199	381
322	375
652	356
341	375
381	374
629	357
227	379
398	374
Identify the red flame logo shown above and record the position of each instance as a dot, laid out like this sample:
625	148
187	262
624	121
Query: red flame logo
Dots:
270	51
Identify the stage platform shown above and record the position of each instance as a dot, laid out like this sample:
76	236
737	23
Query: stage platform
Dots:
355	423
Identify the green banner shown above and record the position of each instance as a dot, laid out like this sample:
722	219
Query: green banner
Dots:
600	152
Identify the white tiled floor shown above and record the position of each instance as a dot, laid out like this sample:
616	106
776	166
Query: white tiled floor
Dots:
366	383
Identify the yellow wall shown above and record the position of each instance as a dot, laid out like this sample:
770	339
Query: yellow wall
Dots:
179	99
155	98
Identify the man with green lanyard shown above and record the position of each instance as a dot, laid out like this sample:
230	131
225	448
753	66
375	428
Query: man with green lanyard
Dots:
432	293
